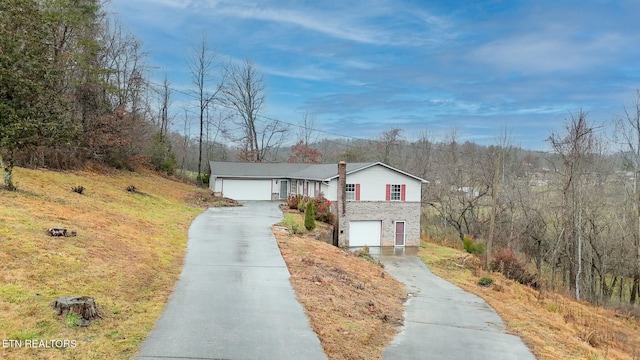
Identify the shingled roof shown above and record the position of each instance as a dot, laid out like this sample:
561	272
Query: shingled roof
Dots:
319	172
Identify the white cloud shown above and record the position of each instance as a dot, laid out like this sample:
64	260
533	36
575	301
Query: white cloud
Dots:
306	73
556	49
176	4
353	21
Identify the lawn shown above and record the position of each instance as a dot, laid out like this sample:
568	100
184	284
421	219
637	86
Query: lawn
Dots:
127	255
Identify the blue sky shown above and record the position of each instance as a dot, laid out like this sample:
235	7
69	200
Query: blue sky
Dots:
363	67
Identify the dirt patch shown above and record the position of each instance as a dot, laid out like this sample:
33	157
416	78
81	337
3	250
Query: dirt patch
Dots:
353	305
205	199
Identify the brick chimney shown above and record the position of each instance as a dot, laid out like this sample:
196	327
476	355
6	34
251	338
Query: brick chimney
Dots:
339	239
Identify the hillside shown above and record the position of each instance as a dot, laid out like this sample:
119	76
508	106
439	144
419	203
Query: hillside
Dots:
127	255
353	305
552	325
129	250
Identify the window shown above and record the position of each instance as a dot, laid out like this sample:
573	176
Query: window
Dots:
351	191
396	192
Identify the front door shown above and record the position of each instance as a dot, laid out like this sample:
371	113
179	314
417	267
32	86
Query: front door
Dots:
284	189
399	238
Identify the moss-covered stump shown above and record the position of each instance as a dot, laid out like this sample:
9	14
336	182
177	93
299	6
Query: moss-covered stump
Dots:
83	306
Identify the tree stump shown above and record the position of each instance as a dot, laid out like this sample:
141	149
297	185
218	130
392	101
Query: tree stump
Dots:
84	306
56	231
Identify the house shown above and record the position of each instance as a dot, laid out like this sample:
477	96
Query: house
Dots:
375	204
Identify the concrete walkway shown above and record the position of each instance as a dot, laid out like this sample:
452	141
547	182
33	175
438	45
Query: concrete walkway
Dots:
443	321
234	299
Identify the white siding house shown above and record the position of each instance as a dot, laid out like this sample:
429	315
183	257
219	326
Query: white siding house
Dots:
382	204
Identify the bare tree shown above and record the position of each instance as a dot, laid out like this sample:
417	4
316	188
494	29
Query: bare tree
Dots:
306	132
165	104
422	154
388	145
629	130
245	94
207	90
574	147
457	192
498	155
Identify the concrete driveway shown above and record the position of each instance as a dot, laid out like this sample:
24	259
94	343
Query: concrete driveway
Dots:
234	299
443	321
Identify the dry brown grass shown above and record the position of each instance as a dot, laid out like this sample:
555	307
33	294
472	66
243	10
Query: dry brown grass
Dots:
552	325
353	305
127	254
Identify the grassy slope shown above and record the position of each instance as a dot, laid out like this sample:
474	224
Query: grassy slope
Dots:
127	255
552	325
353	305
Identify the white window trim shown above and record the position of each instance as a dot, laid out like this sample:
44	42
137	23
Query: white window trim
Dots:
404	234
398	192
350	194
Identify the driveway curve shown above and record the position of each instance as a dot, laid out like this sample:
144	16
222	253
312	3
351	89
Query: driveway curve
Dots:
442	321
234	299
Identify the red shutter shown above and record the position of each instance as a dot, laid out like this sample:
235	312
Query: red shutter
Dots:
357	192
388	196
403	192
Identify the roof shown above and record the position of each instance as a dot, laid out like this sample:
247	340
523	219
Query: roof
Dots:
254	170
319	172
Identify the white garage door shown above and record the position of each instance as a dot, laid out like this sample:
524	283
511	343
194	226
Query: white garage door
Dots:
247	189
363	233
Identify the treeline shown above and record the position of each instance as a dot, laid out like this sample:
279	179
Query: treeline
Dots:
75	86
72	88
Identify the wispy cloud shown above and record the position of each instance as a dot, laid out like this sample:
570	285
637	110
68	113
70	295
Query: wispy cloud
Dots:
329	25
350	21
175	4
548	52
477	65
309	72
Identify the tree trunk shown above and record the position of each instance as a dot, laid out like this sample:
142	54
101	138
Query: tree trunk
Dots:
634	288
494	205
7	171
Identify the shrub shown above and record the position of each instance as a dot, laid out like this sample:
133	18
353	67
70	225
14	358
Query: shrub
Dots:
293	201
203	178
291	223
471	247
310	216
485	281
364	253
78	189
506	262
302	203
161	154
323	209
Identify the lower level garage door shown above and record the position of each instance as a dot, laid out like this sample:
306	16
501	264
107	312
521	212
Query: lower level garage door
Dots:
247	189
363	233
